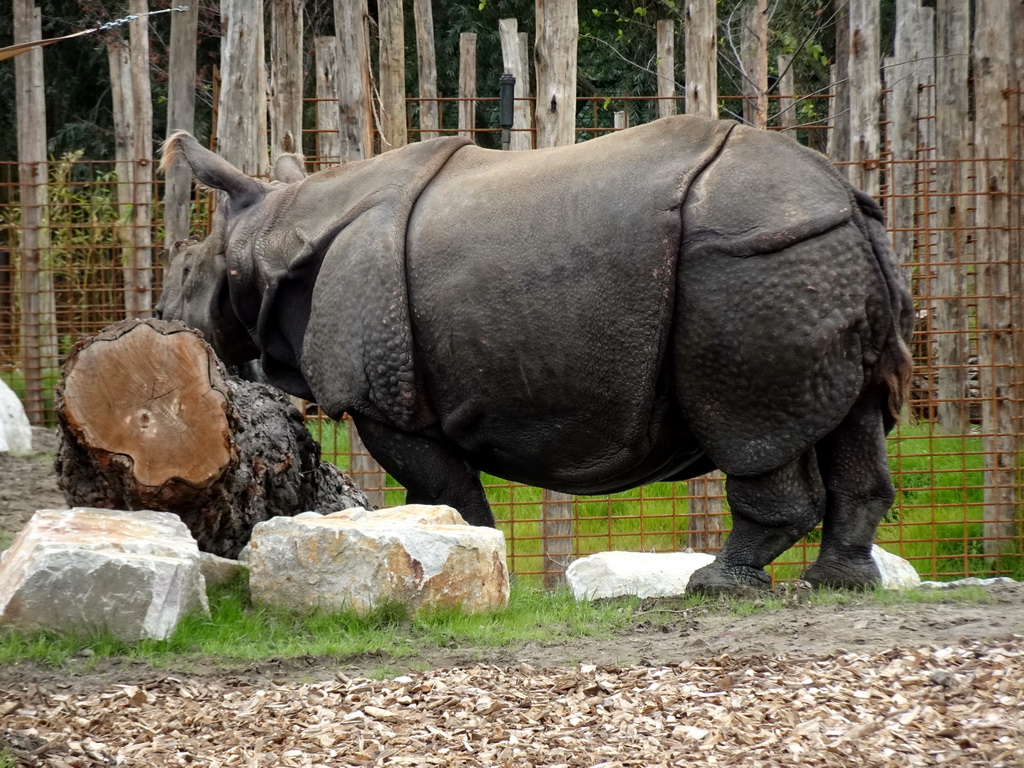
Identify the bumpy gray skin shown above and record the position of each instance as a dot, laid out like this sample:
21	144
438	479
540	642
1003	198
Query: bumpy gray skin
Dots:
649	305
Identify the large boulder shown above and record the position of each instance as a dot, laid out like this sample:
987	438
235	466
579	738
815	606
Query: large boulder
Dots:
642	574
418	556
15	431
135	574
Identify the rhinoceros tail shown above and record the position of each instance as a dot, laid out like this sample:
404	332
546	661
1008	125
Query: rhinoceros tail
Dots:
895	365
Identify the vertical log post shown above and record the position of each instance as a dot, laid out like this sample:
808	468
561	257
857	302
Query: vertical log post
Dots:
365	471
754	52
865	95
700	19
392	75
38	307
242	113
838	146
517	65
787	93
999	341
467	84
666	51
328	130
138	271
426	65
123	100
952	132
350	22
181	111
285	77
555	64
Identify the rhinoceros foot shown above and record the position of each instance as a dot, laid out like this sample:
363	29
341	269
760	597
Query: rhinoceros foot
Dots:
733	580
851	573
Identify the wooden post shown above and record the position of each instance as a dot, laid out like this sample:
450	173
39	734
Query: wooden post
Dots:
138	270
516	64
999	340
467	84
39	351
242	113
392	75
666	34
285	77
365	471
124	138
181	110
700	19
426	68
555	63
787	93
865	96
754	52
904	77
350	21
328	131
838	146
952	132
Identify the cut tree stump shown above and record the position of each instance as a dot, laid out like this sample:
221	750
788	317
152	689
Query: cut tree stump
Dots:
150	419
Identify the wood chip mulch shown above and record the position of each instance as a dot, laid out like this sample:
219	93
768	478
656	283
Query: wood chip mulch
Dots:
930	706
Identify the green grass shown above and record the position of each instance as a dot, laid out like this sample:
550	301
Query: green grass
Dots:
238	633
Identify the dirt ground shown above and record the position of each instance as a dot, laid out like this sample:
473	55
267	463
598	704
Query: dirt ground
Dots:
817	645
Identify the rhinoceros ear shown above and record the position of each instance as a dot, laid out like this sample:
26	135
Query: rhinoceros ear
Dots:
289	169
212	170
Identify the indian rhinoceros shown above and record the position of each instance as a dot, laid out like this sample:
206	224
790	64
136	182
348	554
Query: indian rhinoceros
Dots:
649	305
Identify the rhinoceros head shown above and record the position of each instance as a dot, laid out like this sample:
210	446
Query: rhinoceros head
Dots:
197	282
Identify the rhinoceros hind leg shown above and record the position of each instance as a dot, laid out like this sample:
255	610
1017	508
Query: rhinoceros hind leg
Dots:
430	473
855	471
770	513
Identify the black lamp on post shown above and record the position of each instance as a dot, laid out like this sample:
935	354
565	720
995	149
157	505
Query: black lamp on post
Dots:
506	91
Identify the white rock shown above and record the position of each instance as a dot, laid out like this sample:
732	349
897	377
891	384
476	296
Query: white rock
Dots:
897	573
970	581
643	574
136	574
15	431
421	514
336	563
218	570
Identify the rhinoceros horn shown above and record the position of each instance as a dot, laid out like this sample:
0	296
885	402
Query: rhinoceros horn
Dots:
212	170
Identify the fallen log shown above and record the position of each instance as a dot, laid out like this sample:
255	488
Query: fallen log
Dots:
150	419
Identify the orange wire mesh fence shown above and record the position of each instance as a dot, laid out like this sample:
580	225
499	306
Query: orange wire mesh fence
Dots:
956	456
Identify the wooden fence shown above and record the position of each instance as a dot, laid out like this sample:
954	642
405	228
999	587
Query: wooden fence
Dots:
942	153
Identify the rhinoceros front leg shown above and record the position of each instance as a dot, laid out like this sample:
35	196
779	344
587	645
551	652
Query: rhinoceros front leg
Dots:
430	473
770	513
855	470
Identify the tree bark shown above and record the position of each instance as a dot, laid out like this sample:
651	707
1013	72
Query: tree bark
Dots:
555	64
700	19
391	61
149	419
328	129
515	63
285	77
181	111
426	69
242	115
467	84
39	353
666	67
350	19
